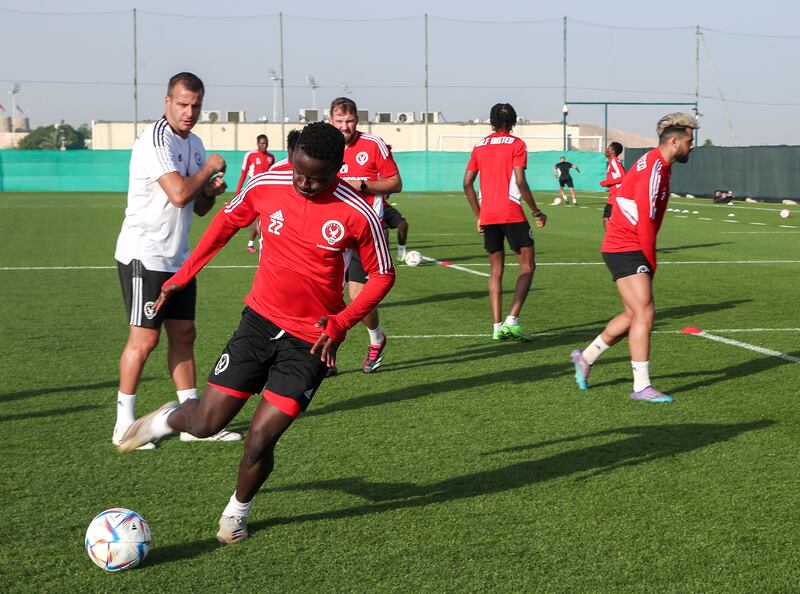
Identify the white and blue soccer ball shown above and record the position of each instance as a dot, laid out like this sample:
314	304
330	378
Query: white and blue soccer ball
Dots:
118	539
413	258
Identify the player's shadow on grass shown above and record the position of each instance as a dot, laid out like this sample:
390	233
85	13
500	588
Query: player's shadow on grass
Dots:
50	413
436	298
9	396
523	376
680	248
662	315
180	551
635	446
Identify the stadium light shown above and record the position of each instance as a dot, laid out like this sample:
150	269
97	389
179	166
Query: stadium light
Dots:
15	88
275	83
314	86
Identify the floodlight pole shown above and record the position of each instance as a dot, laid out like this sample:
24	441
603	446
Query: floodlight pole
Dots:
697	81
283	78
425	118
565	109
135	78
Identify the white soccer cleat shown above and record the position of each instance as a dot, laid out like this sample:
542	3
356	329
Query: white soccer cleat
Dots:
116	439
141	430
232	529
221	436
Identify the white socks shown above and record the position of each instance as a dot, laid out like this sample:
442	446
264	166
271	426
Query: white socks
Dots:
125	414
496	327
511	320
250	244
641	375
401	252
236	507
376	336
184	395
594	350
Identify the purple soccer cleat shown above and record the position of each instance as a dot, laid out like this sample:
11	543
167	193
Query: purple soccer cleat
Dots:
650	394
582	369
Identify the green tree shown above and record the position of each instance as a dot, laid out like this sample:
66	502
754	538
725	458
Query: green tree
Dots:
53	138
708	142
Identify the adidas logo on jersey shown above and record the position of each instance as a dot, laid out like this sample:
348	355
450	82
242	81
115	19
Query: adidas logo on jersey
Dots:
275	222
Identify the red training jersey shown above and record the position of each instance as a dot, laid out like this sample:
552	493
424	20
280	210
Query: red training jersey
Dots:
640	207
366	159
254	162
305	253
613	181
494	158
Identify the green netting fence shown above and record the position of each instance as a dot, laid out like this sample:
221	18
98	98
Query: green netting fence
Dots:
107	171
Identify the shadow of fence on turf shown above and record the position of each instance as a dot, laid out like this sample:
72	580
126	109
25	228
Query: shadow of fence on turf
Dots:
635	446
436	298
662	315
9	396
713	377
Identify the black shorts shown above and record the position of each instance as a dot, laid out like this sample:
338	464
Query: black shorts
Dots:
519	235
622	264
565	181
141	288
391	216
355	269
607	210
262	357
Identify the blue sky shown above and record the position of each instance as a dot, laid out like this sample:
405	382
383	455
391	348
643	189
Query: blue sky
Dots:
74	61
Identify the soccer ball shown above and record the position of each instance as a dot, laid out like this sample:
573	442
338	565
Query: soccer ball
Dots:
413	258
117	539
557	201
785	213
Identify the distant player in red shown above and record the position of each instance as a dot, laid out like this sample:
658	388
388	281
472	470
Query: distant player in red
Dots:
501	159
613	181
295	316
629	251
370	168
255	162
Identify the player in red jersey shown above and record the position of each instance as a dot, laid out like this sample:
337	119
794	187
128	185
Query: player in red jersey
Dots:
629	251
370	168
295	316
613	181
501	159
255	162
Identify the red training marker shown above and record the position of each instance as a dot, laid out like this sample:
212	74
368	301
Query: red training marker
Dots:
691	330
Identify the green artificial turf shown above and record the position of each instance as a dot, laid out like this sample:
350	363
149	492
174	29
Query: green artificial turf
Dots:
463	465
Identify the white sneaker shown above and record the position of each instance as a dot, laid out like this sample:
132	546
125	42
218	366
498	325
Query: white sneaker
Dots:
221	436
232	529
116	439
141	431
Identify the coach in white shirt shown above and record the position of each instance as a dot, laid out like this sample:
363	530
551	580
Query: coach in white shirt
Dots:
170	178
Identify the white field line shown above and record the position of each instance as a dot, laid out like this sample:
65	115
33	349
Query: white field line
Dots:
427	259
454	266
748	346
592	332
760	232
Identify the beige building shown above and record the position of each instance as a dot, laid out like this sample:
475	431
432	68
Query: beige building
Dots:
403	137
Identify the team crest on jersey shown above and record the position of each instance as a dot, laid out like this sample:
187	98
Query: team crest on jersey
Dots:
149	310
343	170
197	159
332	231
222	364
362	157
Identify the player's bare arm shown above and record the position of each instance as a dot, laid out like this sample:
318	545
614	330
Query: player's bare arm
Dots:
182	190
205	200
390	185
472	197
527	196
